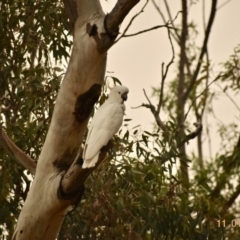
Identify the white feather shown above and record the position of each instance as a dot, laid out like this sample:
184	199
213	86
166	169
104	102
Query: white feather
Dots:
105	123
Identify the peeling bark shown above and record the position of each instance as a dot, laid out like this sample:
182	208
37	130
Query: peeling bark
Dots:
85	103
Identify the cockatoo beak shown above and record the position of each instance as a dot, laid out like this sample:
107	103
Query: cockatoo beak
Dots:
124	96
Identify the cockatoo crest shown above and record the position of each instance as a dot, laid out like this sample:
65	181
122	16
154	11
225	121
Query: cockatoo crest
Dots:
105	123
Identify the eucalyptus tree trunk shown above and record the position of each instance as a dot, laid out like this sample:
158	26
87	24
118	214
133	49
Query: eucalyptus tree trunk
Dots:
59	178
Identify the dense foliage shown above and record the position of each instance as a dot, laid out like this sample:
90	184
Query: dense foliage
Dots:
33	34
138	192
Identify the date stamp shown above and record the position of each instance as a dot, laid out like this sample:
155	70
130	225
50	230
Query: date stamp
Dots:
223	223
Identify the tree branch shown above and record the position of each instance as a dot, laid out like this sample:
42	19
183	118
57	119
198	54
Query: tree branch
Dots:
105	35
74	178
199	138
79	91
16	153
200	94
203	49
181	82
131	21
156	116
193	134
117	15
168	10
112	21
155	113
147	30
164	74
230	163
180	92
229	97
175	36
230	201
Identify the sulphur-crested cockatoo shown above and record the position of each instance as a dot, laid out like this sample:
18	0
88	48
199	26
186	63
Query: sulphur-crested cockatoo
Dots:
105	123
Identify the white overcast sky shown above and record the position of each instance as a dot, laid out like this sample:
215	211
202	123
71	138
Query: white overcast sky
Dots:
136	61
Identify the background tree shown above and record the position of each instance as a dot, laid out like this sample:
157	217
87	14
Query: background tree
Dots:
149	187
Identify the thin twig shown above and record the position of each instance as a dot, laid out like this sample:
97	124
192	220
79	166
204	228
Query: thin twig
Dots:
159	11
164	75
167	25
155	113
203	50
204	16
147	30
131	21
147	97
230	98
207	82
209	138
161	90
175	36
168	11
156	116
223	4
199	95
199	116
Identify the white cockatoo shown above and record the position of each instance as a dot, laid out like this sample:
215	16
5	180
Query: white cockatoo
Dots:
105	123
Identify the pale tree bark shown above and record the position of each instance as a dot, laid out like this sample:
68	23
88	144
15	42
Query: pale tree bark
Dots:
59	178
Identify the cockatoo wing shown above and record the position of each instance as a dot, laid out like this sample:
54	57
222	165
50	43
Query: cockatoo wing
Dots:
106	122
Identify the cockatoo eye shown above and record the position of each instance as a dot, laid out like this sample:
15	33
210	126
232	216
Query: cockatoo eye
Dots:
119	93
